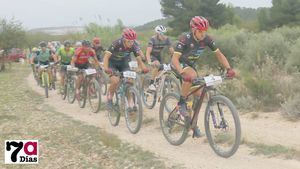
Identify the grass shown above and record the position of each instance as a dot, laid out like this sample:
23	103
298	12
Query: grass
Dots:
272	150
63	141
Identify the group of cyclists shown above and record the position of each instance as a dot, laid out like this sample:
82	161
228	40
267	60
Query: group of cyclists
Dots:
184	56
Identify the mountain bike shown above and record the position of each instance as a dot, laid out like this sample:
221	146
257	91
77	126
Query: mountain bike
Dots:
90	90
69	88
165	82
45	78
221	119
126	99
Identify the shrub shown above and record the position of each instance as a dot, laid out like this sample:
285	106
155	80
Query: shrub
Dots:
291	107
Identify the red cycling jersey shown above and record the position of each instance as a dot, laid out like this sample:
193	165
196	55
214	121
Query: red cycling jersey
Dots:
82	55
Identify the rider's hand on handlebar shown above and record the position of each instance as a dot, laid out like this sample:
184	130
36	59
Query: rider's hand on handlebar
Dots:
230	73
108	71
145	70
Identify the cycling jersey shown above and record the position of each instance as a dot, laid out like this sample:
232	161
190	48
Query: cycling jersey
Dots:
120	53
98	51
83	54
158	45
191	50
66	56
44	56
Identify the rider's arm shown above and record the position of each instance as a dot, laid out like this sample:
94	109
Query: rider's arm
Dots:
222	59
107	55
175	61
73	61
140	60
171	50
148	51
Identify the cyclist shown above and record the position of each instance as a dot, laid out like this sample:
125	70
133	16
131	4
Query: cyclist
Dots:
33	59
98	48
65	55
153	53
187	51
44	57
117	57
81	60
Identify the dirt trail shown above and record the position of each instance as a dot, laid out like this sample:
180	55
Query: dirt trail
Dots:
193	153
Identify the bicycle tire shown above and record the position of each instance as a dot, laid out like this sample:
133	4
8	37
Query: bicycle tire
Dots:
135	129
235	116
186	125
95	109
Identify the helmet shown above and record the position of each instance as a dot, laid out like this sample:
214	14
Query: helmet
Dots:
67	43
160	29
43	44
34	49
199	22
85	43
129	34
78	44
96	40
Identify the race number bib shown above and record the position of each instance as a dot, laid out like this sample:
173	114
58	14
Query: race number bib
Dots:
212	80
129	74
90	71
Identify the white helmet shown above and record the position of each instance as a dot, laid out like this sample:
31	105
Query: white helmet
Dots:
78	44
160	29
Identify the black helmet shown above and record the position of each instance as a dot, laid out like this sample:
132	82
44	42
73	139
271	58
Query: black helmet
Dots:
43	44
85	43
67	43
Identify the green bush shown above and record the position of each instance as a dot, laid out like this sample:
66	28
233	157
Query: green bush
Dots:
293	61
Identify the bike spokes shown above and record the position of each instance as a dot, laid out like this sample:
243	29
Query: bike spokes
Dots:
222	127
174	126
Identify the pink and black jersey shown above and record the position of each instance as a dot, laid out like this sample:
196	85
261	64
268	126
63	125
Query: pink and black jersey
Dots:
120	52
191	50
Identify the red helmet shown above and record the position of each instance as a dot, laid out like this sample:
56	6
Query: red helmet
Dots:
129	34
96	40
199	22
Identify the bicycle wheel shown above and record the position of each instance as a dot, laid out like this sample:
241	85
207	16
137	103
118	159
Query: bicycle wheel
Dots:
63	89
148	97
174	126
133	110
83	92
114	113
222	126
94	96
71	91
45	79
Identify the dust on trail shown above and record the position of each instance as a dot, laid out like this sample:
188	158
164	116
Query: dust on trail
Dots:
194	153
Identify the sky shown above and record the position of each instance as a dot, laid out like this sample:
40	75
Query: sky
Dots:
50	13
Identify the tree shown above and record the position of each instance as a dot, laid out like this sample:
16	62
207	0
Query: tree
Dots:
285	13
281	13
12	34
182	11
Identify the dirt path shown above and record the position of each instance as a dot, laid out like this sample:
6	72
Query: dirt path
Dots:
193	153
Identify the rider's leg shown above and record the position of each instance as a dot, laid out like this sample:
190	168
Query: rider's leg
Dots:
114	81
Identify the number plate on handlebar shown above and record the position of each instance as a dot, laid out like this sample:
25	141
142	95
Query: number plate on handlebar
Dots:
90	71
167	67
133	64
72	69
129	74
212	80
44	66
